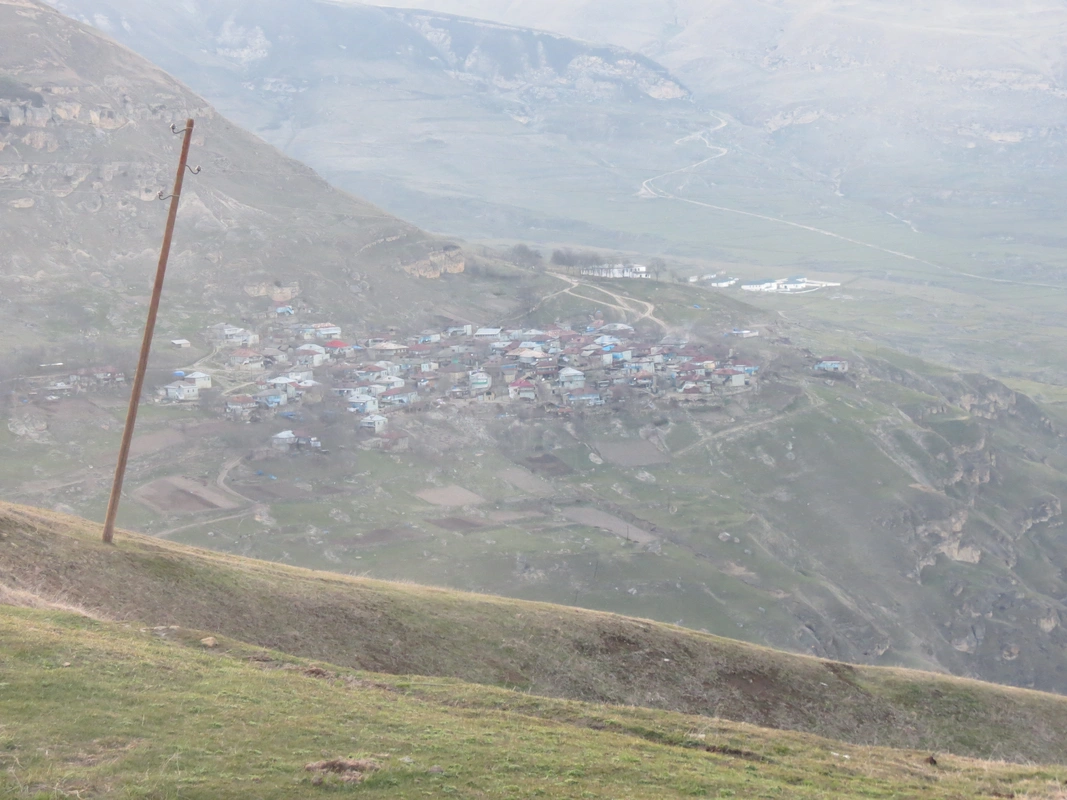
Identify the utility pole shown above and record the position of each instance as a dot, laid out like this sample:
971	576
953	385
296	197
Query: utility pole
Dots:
149	329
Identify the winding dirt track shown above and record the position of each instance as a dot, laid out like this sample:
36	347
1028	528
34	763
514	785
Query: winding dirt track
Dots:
635	309
748	427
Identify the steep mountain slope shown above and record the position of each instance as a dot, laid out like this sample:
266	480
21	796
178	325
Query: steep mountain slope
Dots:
477	129
546	650
84	147
96	709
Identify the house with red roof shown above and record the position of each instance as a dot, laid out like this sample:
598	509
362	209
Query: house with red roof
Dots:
522	390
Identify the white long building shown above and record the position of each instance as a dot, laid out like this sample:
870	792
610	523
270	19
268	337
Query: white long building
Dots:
793	285
617	271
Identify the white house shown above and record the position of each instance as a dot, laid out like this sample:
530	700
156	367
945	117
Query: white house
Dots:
244	358
571	378
275	355
326	330
181	344
375	422
480	382
231	334
387	348
201	379
284	441
182	390
832	364
762	285
241	405
487	334
283	384
401	396
311	355
363	404
730	377
522	390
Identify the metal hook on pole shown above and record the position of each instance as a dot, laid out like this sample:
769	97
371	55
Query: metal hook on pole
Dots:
176	130
160	196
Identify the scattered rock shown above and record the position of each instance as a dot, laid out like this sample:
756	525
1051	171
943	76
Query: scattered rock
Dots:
351	770
436	770
338	515
209	641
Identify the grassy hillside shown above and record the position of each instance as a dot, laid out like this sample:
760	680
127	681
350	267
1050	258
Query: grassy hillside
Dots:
542	649
94	709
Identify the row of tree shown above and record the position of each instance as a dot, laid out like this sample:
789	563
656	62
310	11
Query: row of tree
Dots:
524	256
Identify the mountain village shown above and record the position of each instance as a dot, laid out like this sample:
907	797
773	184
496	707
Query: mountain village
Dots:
562	370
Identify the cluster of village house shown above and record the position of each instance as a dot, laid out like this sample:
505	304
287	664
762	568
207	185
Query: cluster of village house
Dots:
559	369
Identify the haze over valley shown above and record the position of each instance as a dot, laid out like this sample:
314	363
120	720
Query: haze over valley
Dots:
744	320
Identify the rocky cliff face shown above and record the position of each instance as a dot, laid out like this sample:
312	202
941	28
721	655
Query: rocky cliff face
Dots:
538	67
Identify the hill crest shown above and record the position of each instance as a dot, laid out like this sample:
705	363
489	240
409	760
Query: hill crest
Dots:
543	649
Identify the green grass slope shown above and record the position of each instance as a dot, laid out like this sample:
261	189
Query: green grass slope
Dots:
95	709
542	649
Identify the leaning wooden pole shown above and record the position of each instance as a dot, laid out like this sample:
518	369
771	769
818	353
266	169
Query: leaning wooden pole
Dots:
146	342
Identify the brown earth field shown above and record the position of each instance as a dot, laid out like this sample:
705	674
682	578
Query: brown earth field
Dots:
450	496
179	494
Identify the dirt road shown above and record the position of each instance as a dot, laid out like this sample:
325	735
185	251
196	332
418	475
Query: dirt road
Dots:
636	310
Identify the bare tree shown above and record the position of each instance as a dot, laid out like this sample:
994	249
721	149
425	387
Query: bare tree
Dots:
524	256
